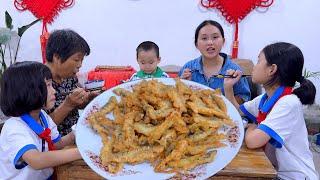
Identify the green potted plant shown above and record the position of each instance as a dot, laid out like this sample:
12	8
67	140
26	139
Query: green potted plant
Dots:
9	46
310	74
312	112
10	42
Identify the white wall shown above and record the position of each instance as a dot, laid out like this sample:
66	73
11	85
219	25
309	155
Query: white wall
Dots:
113	29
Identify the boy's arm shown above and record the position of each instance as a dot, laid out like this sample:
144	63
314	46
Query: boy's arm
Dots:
41	160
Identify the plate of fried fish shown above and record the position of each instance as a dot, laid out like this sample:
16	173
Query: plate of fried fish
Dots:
159	128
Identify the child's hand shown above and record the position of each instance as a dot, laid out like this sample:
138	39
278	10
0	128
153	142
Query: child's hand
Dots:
186	74
229	82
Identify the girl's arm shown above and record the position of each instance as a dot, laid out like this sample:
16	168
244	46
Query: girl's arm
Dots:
41	160
66	140
255	138
228	88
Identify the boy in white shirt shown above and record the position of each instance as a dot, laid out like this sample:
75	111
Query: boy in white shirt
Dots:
279	125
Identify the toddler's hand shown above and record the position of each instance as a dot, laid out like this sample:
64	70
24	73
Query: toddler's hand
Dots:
186	74
229	82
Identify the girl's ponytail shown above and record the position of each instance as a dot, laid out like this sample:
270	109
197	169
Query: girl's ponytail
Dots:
306	92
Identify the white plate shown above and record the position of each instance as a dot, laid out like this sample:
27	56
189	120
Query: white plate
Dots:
89	142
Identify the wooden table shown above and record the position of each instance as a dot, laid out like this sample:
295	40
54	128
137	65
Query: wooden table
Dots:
248	164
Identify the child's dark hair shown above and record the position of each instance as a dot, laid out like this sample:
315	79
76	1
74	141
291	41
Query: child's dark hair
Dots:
23	88
204	23
289	60
146	46
65	43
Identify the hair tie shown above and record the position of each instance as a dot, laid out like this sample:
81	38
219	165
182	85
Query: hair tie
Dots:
301	79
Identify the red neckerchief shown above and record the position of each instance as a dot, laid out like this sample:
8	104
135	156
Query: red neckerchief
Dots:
44	134
266	106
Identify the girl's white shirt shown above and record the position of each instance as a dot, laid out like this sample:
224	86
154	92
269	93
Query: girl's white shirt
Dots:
285	124
17	138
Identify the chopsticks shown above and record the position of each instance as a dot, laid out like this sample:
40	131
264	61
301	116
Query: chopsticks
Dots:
223	75
88	90
227	76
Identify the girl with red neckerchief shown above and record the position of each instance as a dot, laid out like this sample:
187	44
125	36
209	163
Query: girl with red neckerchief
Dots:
30	144
278	123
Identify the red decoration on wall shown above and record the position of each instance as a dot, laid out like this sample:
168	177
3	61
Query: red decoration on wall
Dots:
46	10
234	11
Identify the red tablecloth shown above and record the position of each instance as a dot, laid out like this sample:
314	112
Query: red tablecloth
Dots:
114	75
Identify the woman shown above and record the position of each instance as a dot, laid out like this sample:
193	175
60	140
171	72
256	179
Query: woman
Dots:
209	39
64	53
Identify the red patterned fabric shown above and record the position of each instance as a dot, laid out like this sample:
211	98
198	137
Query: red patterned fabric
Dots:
46	10
234	11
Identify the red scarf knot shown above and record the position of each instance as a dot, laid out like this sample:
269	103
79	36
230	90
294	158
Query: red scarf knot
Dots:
46	136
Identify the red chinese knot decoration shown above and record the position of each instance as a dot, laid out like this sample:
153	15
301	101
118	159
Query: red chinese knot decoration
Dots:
46	10
234	11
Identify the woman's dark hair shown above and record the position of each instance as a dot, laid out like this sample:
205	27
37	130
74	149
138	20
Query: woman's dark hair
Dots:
65	43
23	88
204	23
289	60
146	46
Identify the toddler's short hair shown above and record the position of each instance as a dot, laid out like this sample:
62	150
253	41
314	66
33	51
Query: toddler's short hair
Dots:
146	46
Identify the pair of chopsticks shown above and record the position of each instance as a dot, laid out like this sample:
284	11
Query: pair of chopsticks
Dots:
93	89
227	76
223	75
